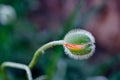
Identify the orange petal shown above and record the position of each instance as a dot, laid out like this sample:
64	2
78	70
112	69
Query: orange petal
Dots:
74	46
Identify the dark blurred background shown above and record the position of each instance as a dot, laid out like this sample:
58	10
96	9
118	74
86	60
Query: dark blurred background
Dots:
25	25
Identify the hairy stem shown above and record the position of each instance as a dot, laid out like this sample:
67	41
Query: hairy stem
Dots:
15	65
42	49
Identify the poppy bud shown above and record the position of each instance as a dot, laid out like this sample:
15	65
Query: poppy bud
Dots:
79	44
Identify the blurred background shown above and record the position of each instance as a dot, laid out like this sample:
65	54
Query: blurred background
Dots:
25	25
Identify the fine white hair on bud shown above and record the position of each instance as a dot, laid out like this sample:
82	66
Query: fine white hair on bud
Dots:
79	44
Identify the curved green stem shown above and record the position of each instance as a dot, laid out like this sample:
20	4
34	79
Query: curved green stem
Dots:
15	65
32	63
42	49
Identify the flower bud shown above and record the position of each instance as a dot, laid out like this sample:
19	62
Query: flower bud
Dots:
79	44
7	14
